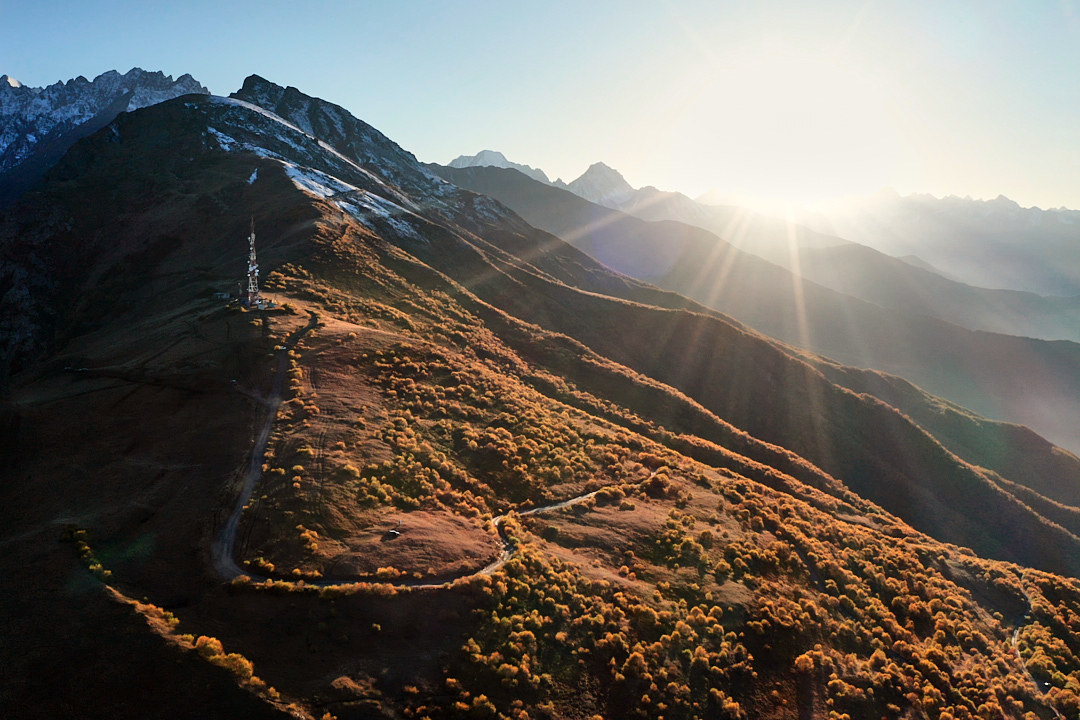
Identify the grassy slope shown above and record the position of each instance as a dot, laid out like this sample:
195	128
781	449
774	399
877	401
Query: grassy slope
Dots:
765	390
1012	450
622	554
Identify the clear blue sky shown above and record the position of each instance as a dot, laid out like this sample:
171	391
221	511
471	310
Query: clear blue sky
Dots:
784	99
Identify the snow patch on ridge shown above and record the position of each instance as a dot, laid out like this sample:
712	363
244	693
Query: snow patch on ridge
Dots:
365	207
314	182
226	142
317	168
255	108
290	139
369	210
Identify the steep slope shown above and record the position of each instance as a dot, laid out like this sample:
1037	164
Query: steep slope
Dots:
1031	382
1011	450
435	362
337	128
38	125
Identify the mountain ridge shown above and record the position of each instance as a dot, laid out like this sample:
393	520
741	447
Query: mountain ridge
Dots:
601	184
919	226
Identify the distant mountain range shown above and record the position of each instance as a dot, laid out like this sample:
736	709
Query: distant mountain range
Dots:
987	243
38	125
493	158
918	255
599	183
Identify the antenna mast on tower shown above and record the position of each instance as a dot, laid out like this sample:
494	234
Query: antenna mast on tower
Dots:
251	297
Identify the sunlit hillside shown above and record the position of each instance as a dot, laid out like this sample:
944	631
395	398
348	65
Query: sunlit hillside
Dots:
460	468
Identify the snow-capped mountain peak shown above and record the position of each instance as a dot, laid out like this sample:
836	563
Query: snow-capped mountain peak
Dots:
494	158
10	81
489	157
603	185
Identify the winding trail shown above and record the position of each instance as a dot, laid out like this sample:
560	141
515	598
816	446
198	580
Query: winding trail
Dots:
1039	688
223	548
228	568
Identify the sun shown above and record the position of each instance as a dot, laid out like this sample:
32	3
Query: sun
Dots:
786	128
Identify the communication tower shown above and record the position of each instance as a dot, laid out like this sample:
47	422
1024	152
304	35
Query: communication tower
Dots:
251	296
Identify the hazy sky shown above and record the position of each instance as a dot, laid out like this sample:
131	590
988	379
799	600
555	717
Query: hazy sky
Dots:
779	99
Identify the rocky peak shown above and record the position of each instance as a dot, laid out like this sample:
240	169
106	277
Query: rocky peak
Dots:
54	117
260	91
603	185
338	128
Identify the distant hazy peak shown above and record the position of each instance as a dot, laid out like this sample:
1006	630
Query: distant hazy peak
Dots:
602	184
484	158
1004	202
494	158
886	193
717	197
600	169
10	81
